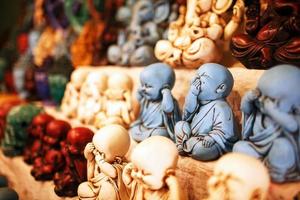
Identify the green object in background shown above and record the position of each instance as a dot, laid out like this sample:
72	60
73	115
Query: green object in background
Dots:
17	122
57	85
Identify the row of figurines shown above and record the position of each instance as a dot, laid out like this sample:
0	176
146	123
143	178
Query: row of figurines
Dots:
206	129
106	165
198	32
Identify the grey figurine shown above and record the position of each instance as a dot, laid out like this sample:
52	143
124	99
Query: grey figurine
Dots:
159	110
208	129
271	121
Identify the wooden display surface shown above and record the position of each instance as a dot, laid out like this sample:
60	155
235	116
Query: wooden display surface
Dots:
193	175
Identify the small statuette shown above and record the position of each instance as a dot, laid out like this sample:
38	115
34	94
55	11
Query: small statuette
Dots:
208	127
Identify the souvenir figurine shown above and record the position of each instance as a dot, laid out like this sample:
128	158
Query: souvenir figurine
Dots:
105	158
17	122
5	107
36	131
271	114
151	172
201	32
233	179
91	97
142	34
70	100
118	108
272	35
51	158
57	84
75	171
208	128
159	110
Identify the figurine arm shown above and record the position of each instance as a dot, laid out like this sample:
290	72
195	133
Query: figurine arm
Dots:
106	167
175	192
285	120
247	103
139	94
126	175
191	100
167	100
232	26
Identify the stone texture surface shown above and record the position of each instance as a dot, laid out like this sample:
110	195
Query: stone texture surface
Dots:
193	174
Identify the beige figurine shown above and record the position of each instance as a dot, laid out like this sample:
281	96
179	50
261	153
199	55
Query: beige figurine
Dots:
238	176
105	163
92	97
151	173
118	107
200	33
70	100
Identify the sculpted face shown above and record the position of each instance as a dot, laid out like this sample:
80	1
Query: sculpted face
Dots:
153	78
118	84
144	10
56	131
113	141
77	139
273	84
38	124
233	178
213	81
153	159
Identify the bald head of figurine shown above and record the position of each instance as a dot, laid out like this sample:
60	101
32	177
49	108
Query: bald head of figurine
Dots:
213	81
154	78
280	84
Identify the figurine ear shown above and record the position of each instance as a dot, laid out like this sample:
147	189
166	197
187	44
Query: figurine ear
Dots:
222	88
161	10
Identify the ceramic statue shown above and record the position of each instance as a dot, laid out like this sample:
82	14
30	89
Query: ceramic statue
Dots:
105	158
159	110
201	32
272	35
70	100
17	122
142	34
91	97
271	121
5	107
36	131
75	171
51	158
151	172
232	179
208	127
118	104
57	84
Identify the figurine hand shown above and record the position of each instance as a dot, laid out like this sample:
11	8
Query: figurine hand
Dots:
248	100
195	86
128	169
88	151
268	106
253	94
208	141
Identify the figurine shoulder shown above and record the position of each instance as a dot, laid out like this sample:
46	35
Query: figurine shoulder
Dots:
222	106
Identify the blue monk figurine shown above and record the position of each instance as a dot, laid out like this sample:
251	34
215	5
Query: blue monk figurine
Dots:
271	122
159	110
208	127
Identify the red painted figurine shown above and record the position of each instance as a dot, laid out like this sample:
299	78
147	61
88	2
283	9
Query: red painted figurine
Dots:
36	131
75	171
51	159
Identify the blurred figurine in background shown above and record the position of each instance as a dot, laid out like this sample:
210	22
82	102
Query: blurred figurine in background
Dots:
36	131
233	179
17	122
159	110
151	172
142	34
201	33
51	158
208	127
105	157
92	97
272	35
70	100
118	104
271	122
75	171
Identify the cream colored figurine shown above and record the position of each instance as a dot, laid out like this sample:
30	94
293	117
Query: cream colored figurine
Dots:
151	173
238	176
200	33
105	163
70	100
92	97
118	107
